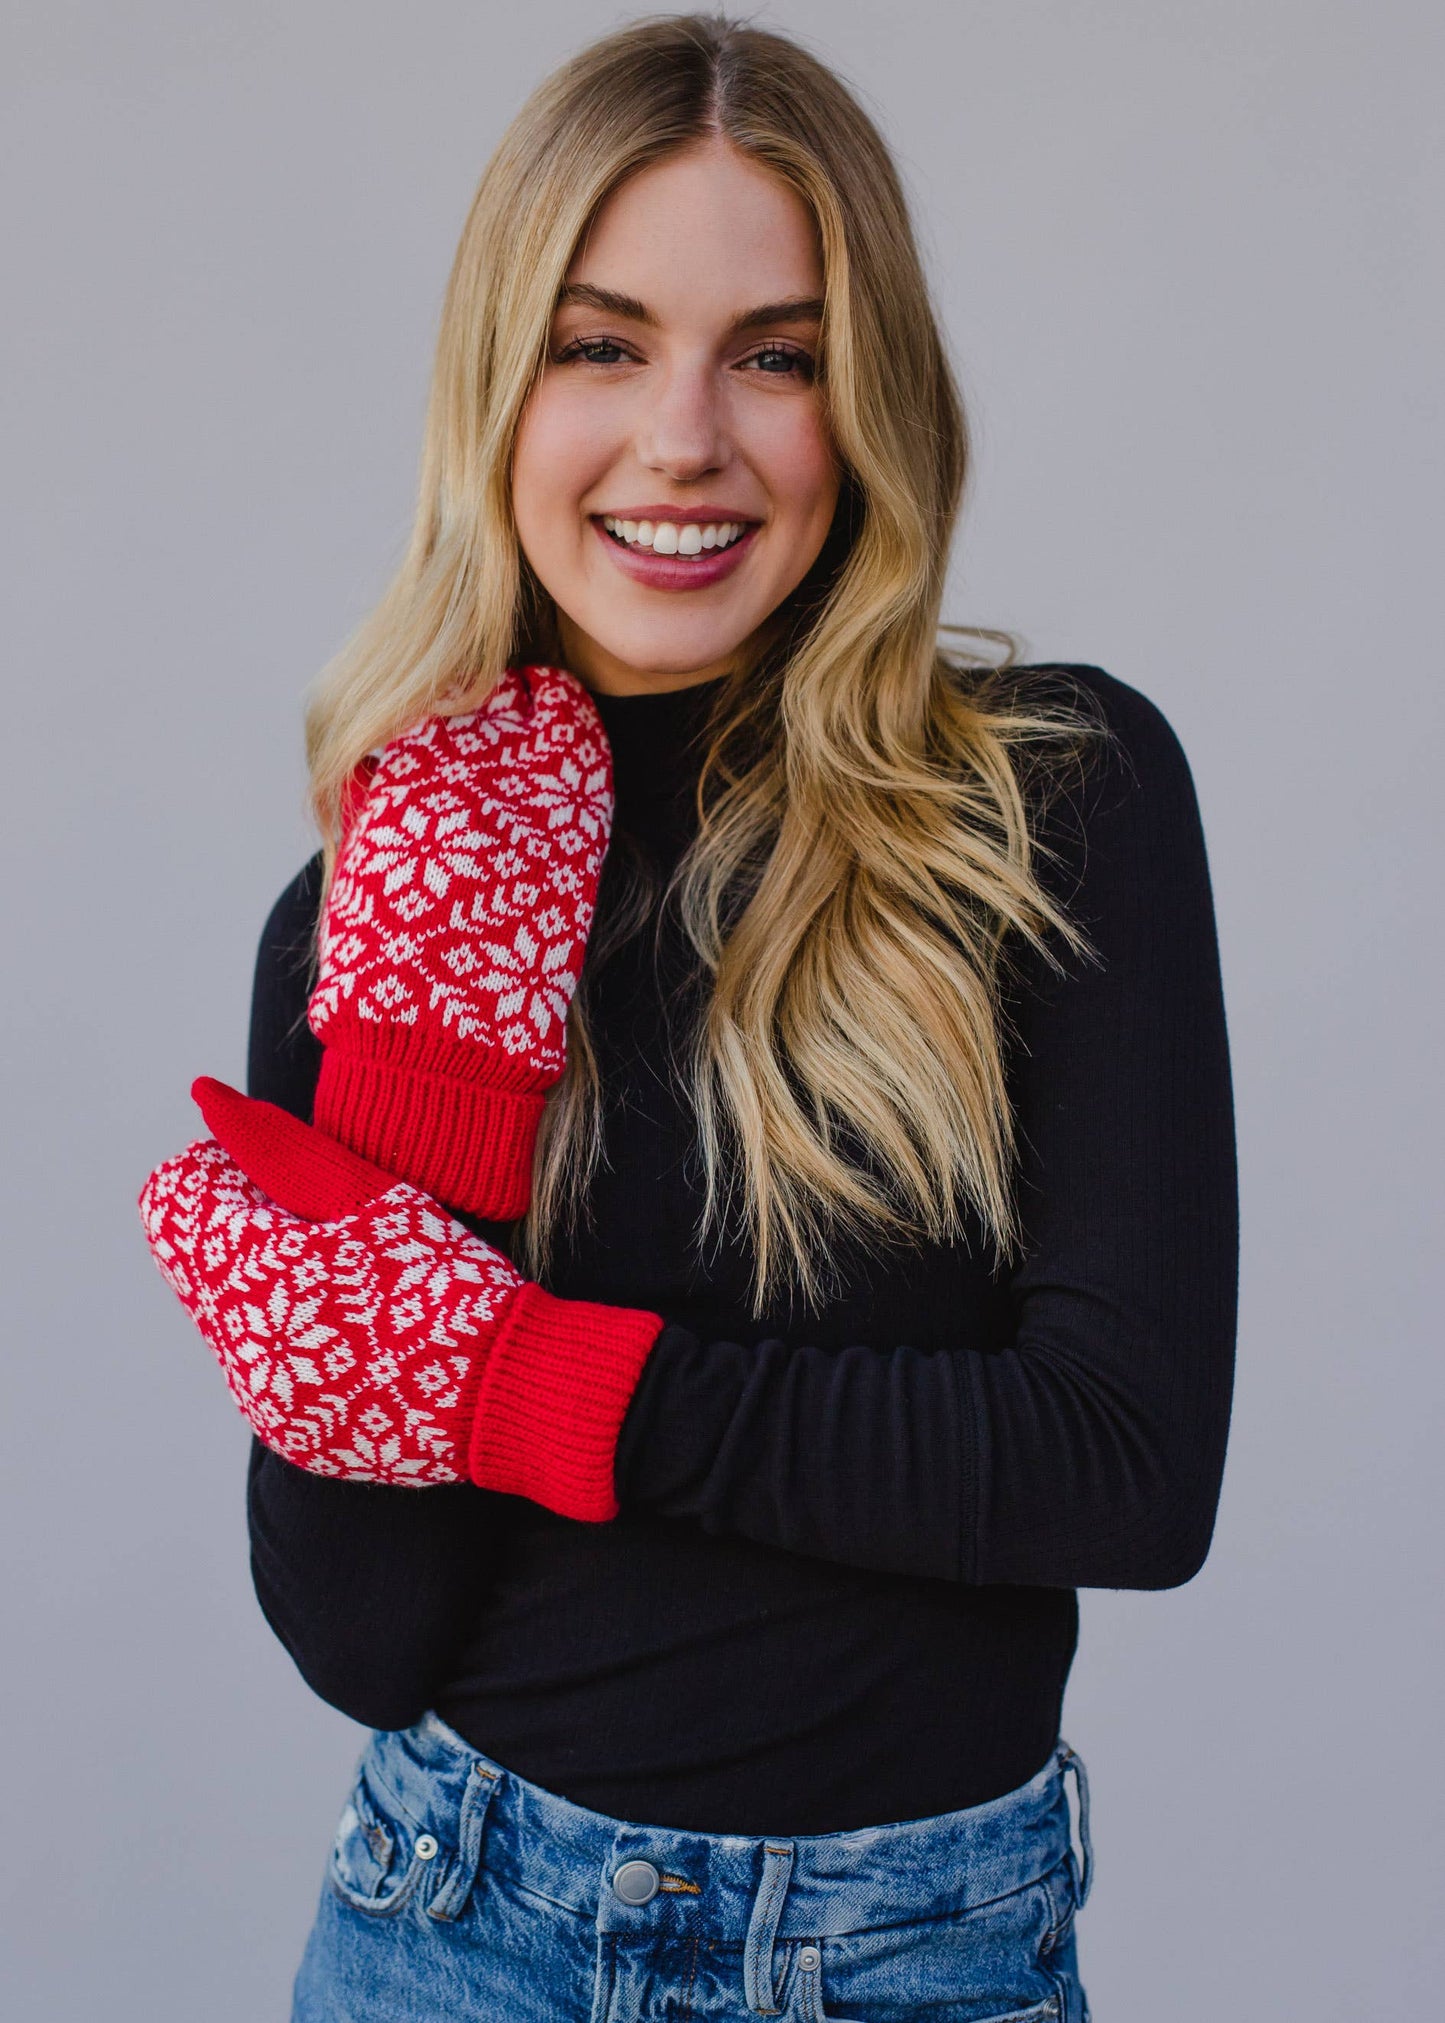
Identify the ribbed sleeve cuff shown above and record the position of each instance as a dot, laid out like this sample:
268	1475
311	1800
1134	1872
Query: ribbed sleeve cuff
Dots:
468	1146
552	1398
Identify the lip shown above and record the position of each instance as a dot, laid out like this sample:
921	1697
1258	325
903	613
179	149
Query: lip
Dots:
667	572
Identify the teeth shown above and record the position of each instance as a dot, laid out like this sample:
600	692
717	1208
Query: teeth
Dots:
669	537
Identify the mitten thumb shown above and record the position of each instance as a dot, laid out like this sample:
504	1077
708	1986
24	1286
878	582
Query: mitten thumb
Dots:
302	1170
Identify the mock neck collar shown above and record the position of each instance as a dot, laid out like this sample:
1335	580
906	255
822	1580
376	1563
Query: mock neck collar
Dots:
656	751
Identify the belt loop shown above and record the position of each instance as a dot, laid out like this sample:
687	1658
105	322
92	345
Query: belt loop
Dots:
758	1989
451	1899
1072	1761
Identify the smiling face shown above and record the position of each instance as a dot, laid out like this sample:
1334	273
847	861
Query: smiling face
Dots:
672	479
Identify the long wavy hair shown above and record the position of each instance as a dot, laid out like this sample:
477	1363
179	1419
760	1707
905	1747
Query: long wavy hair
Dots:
865	857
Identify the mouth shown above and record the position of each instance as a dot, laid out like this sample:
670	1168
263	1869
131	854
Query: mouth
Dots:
676	554
676	537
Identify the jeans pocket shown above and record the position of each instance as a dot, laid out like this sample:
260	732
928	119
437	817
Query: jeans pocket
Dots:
987	1965
378	1858
814	2007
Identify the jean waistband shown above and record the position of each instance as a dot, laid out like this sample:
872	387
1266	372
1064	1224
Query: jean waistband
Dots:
823	1884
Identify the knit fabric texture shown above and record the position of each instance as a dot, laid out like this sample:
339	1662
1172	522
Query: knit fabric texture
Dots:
453	936
386	1343
301	1169
553	1394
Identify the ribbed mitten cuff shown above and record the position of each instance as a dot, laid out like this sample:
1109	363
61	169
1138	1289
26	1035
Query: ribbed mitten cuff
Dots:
467	1145
556	1387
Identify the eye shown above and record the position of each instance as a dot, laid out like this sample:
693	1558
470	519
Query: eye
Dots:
774	361
796	364
586	348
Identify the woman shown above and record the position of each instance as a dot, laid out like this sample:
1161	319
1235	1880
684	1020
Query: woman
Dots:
690	1388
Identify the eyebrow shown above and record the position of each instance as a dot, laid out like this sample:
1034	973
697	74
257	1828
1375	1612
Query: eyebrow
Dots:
795	309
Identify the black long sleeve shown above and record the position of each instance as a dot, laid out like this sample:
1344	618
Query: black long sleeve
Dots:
1088	1449
841	1588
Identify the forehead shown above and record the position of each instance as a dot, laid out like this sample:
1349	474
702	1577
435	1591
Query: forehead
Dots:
702	234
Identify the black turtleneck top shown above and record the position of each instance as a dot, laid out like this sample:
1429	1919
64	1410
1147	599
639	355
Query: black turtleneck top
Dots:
841	1589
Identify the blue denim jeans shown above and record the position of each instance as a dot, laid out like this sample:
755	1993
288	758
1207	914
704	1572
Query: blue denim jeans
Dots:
457	1890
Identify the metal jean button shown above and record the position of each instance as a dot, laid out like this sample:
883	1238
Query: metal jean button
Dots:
636	1882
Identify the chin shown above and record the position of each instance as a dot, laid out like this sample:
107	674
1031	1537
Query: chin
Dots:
669	648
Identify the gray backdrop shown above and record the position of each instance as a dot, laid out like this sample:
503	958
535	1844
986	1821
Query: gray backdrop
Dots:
1182	254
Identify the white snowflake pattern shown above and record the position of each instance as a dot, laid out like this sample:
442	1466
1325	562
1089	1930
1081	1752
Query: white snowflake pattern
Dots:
348	1345
465	888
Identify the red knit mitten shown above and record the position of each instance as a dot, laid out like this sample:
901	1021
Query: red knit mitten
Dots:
453	935
366	1334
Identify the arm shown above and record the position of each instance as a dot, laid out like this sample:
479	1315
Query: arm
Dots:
364	1330
370	1588
1088	1451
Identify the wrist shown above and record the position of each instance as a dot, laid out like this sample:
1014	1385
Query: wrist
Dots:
551	1400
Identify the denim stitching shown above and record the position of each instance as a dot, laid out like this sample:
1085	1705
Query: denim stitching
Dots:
691	1977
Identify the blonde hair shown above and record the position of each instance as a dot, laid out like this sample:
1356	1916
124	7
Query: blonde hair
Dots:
865	846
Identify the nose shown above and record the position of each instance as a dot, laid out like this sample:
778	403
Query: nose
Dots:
682	430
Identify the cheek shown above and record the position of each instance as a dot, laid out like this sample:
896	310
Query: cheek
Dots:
801	470
559	455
